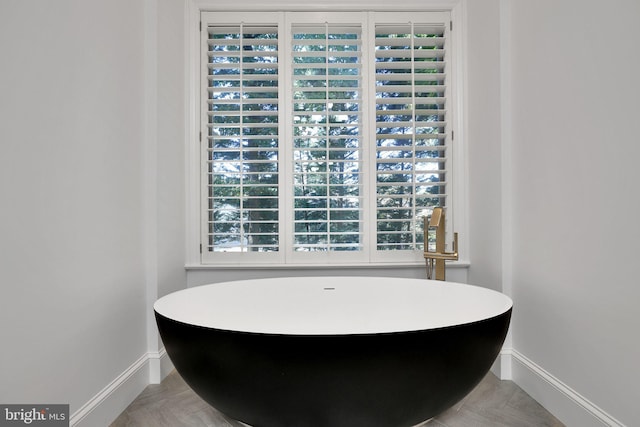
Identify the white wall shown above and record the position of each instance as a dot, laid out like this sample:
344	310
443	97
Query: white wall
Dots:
575	89
72	304
483	141
171	157
164	166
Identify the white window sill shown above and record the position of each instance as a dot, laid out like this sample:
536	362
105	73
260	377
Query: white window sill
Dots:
388	265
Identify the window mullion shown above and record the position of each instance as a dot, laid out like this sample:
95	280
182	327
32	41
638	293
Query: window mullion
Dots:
241	148
370	146
287	199
413	224
327	133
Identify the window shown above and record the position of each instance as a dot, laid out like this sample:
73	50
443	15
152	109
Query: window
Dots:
325	137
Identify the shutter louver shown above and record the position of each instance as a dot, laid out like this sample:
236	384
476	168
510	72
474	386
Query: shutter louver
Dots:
411	128
242	138
327	122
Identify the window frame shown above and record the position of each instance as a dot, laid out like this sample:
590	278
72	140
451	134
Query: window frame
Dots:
370	257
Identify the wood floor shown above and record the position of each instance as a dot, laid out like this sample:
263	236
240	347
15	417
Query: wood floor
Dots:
493	403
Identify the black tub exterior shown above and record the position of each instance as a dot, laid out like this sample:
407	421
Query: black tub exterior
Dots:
374	380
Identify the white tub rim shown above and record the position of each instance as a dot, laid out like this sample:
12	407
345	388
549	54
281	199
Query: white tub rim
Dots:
332	305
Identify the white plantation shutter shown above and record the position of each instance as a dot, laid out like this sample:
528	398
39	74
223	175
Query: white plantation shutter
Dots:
242	138
327	137
411	130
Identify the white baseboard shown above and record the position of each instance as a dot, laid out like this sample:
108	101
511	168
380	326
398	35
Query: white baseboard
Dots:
105	406
159	366
558	398
501	368
565	403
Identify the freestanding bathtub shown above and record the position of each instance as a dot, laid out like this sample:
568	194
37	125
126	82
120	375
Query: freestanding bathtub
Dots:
333	351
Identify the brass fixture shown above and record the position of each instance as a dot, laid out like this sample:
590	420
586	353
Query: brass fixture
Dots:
438	257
